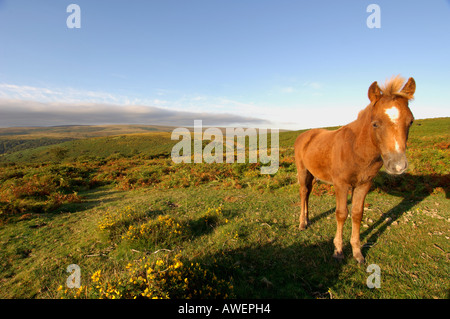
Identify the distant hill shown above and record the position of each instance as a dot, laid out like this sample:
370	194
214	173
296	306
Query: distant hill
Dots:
67	143
14	139
79	131
146	144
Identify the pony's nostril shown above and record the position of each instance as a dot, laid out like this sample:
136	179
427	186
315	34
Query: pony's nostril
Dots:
395	163
401	166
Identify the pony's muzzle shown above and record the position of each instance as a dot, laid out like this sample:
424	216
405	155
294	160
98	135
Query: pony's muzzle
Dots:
395	163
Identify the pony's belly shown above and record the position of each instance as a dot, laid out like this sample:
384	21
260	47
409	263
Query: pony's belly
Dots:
321	176
324	181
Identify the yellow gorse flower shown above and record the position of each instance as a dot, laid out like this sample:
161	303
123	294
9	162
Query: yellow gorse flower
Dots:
155	276
96	276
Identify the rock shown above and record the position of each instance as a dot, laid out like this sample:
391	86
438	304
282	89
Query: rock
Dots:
267	282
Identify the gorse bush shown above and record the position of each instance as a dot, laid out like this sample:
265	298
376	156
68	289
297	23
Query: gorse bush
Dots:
167	277
38	189
163	278
212	217
164	231
115	222
142	230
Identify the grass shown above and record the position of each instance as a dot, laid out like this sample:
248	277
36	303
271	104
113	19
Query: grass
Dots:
144	144
144	227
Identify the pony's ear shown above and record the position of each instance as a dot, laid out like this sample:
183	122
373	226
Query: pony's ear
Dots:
409	88
374	92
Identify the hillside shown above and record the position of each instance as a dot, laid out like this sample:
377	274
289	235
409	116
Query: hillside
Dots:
79	131
146	144
15	139
68	143
139	225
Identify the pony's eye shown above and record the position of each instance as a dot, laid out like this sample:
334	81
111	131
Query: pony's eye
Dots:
411	123
375	124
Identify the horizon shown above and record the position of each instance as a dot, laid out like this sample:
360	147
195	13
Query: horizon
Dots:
276	64
192	126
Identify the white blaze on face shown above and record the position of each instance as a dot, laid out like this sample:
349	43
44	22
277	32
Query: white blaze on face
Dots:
393	114
397	147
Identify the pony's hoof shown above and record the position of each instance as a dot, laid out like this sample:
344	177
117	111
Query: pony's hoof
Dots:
339	255
304	225
359	258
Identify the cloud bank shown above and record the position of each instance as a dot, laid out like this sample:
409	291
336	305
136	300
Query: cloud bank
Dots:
16	112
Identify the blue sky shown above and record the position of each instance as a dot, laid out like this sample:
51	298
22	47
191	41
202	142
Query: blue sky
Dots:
287	64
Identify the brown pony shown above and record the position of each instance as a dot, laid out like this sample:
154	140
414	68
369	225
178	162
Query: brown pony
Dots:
350	157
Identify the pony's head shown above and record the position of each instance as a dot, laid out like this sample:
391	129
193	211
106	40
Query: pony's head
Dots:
391	119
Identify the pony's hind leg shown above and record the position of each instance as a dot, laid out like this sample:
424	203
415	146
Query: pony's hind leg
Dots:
305	179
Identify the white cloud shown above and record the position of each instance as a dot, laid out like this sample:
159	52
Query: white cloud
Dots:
28	105
15	112
43	94
163	98
304	108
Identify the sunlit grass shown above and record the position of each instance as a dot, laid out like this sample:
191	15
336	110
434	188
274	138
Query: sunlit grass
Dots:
144	227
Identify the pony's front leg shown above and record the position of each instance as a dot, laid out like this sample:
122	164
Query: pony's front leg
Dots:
305	180
359	195
341	216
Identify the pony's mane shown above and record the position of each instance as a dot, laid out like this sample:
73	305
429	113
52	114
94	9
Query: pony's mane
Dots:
393	86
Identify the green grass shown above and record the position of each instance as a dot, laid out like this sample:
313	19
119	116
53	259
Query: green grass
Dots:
78	131
144	144
215	230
